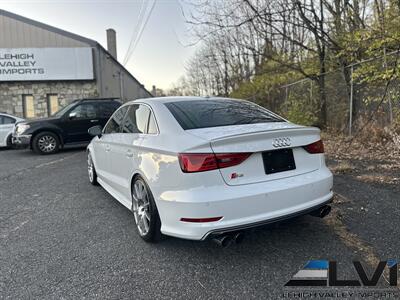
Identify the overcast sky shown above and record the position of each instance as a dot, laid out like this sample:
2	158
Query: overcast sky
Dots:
161	53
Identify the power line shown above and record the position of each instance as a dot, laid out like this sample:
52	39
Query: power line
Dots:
141	31
143	8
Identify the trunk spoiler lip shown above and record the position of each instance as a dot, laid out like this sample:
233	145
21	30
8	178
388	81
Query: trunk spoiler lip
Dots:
306	128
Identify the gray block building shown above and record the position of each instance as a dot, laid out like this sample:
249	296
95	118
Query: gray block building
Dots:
43	68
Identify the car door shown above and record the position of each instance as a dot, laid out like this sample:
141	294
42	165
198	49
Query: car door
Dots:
102	145
78	120
125	154
6	128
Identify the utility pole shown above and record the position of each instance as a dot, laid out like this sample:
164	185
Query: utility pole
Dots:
121	85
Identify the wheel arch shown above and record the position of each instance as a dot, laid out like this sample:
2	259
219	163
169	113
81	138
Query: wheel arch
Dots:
8	138
89	149
135	175
138	173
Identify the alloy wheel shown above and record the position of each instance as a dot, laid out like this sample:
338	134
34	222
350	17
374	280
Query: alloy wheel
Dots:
141	207
90	167
47	143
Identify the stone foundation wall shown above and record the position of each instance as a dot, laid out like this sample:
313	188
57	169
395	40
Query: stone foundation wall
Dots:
11	94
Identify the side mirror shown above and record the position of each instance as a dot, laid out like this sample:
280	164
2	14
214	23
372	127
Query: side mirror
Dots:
72	115
95	131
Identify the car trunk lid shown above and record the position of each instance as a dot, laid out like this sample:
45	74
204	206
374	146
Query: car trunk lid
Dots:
277	150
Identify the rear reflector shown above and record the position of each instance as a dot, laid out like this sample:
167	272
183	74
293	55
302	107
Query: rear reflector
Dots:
314	148
201	220
199	162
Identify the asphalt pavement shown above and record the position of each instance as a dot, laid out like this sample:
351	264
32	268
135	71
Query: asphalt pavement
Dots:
62	238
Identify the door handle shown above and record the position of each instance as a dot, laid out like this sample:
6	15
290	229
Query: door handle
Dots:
92	121
108	148
129	154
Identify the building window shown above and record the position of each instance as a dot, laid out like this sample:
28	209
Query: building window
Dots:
29	106
52	104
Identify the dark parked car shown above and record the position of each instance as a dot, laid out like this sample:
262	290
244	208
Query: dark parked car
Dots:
67	126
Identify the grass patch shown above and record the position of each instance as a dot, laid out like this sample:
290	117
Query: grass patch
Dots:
343	167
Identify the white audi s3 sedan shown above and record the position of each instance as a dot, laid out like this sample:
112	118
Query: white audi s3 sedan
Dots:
7	127
196	168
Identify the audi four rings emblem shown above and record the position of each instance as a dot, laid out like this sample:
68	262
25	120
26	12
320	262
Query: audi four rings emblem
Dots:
281	142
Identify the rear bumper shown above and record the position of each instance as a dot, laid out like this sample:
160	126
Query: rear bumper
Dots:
22	140
217	232
243	206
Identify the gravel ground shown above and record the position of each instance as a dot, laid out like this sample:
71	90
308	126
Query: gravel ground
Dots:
371	208
60	238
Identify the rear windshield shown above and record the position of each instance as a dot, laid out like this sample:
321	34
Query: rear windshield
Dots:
195	114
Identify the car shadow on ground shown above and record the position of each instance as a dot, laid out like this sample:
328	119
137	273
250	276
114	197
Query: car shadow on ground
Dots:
29	152
3	149
310	235
292	228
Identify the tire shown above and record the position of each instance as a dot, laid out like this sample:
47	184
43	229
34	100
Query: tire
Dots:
145	211
91	170
9	142
46	143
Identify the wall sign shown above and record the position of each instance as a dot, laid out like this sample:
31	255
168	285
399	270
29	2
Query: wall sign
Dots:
32	64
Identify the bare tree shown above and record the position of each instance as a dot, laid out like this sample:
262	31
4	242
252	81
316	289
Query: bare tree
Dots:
308	37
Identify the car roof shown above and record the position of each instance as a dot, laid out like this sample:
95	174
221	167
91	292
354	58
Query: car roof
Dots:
8	115
98	99
157	100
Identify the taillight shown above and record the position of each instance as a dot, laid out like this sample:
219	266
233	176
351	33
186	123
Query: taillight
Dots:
225	160
314	148
199	162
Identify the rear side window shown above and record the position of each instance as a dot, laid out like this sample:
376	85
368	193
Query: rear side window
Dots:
85	111
115	123
152	125
137	119
105	110
6	120
193	114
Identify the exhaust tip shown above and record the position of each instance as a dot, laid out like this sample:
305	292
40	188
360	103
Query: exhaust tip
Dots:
238	237
321	212
325	211
223	241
